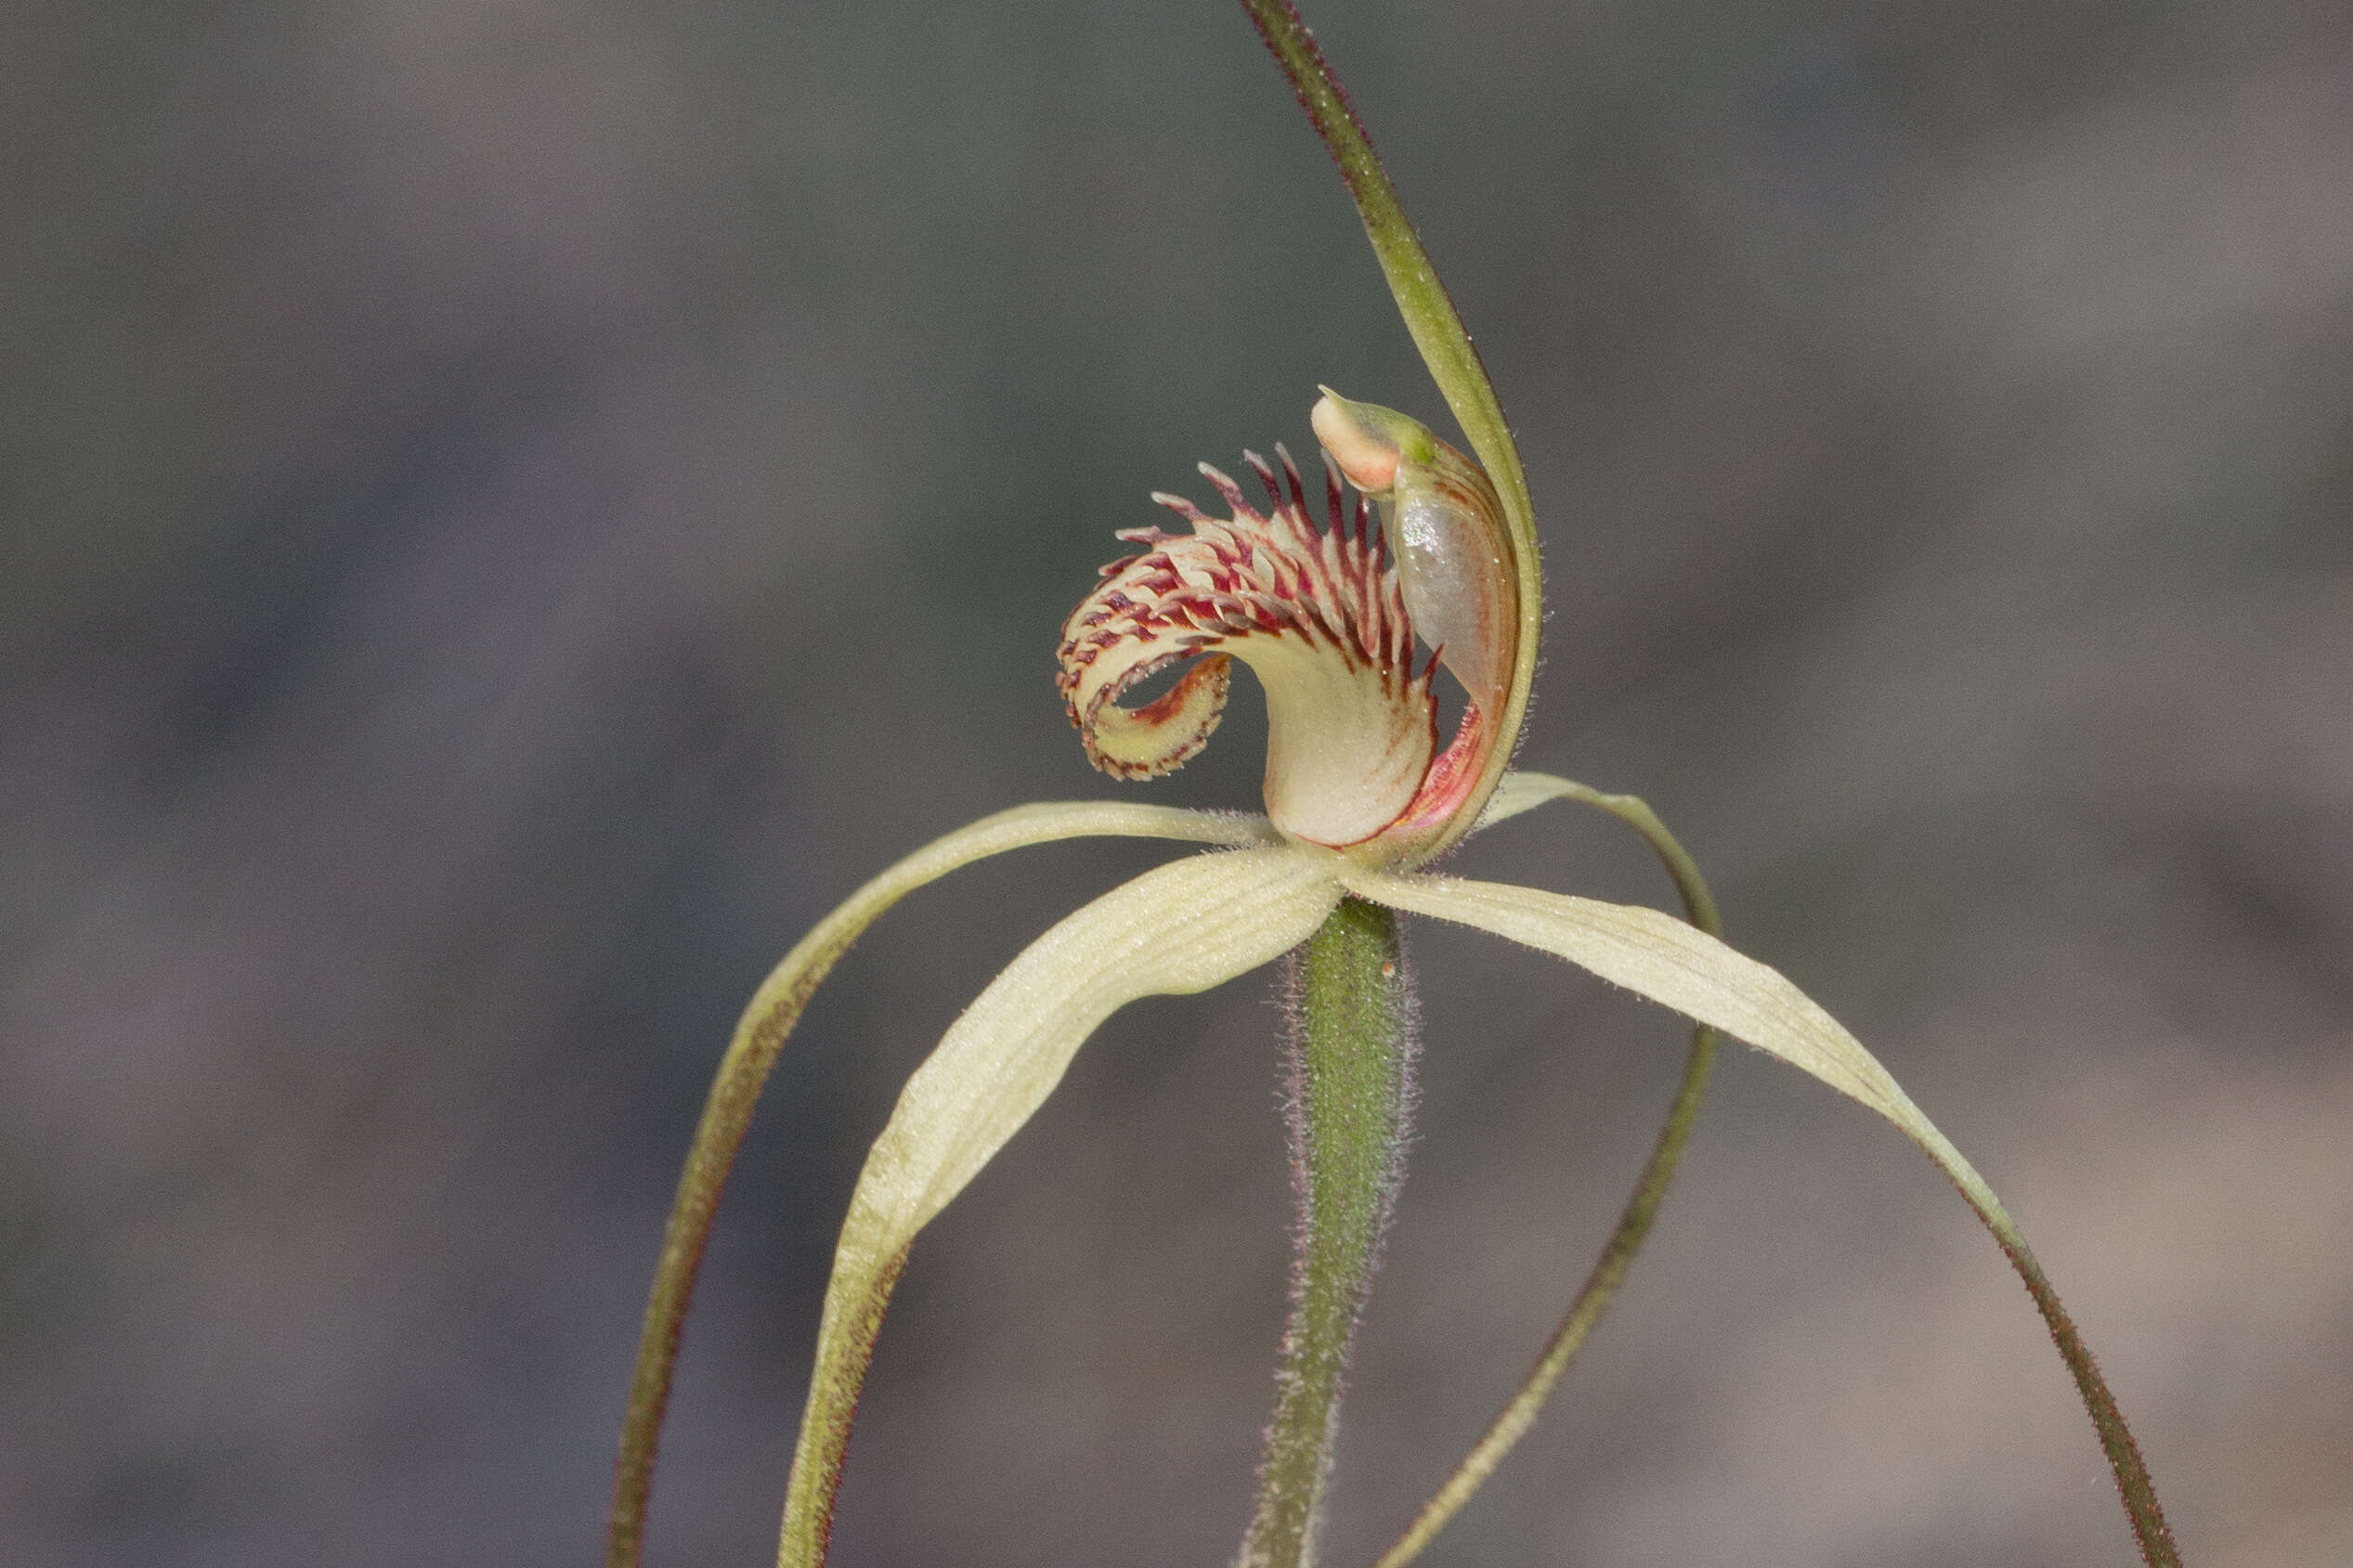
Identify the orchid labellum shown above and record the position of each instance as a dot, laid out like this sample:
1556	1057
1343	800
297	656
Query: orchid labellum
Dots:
1419	562
1327	621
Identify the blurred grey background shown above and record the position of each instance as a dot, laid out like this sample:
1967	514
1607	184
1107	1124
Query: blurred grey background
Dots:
513	509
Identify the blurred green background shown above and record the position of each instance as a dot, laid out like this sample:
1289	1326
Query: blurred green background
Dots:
512	509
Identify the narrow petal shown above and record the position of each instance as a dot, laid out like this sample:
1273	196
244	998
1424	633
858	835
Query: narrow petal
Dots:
1658	956
768	1022
1671	963
1174	930
1516	793
1520	792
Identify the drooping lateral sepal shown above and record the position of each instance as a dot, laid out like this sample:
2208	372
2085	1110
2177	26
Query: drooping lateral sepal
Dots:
1177	929
1658	957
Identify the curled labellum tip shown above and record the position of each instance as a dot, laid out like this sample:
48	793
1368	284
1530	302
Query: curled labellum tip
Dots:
1328	618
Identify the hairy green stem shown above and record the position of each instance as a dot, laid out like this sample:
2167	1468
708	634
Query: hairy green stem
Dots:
1350	1067
1633	1225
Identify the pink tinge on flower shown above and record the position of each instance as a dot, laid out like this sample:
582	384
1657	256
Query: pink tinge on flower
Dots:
1321	619
1369	461
1453	773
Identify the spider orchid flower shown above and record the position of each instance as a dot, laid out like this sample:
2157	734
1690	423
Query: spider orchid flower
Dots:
1347	626
1332	619
1328	622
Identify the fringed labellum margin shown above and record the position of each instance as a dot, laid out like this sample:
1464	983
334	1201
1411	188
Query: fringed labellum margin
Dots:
1327	620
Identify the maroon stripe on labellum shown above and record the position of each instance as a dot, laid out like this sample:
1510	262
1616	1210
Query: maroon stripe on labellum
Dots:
1266	479
1248	574
1232	493
1291	478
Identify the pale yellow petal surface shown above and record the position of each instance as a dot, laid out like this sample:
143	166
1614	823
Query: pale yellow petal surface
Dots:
1175	929
1661	957
1347	749
1671	963
1520	792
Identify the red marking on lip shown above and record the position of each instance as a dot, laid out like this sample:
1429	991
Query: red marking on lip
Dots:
1250	575
1453	772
